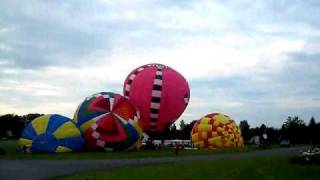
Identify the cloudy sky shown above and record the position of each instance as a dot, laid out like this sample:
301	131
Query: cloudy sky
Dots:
253	60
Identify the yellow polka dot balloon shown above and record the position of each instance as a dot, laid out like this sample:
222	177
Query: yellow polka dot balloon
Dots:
214	131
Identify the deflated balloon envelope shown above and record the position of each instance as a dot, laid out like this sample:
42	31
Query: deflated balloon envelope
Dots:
109	121
216	130
159	92
50	134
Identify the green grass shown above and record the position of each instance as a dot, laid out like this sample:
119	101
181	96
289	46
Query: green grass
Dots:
11	146
254	168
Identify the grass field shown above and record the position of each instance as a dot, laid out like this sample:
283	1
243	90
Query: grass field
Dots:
254	168
11	153
250	168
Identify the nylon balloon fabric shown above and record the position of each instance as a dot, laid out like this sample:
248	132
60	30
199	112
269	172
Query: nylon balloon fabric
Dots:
51	134
214	131
159	92
109	122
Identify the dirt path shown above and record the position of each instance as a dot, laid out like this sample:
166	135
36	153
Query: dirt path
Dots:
47	169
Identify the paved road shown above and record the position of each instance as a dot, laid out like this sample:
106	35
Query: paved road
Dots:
48	169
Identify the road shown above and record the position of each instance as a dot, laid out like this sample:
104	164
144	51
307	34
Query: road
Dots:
48	169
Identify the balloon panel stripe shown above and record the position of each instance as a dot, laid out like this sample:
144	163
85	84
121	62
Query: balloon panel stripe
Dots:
153	120
154	115
130	80
155	98
157	87
154	111
186	99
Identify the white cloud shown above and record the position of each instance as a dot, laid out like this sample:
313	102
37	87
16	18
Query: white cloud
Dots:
4	31
206	57
4	62
196	58
198	16
126	2
38	89
46	107
5	47
198	103
298	103
9	71
94	47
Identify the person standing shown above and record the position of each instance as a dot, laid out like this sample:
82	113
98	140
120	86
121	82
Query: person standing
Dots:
176	148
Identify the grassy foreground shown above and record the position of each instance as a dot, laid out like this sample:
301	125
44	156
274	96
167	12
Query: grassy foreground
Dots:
11	153
254	168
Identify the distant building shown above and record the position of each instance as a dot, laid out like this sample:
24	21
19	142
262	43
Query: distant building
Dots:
255	140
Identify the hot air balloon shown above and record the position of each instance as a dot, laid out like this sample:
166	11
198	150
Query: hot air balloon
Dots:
216	130
109	122
51	134
159	92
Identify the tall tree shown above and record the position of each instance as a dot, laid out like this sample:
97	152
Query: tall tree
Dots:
294	129
313	132
245	130
11	125
30	117
182	124
273	135
263	129
312	121
173	127
186	131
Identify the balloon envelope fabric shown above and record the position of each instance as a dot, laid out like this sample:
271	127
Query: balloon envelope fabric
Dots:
109	121
159	92
50	134
216	130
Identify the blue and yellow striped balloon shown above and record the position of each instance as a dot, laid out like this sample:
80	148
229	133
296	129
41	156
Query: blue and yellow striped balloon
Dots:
50	134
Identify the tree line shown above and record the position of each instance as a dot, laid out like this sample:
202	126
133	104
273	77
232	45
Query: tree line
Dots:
293	129
12	125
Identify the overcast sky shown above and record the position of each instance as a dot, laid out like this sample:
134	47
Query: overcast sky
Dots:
253	60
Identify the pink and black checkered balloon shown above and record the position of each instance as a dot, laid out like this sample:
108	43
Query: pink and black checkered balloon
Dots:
159	92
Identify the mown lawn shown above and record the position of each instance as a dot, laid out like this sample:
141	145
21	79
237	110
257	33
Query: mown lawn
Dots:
11	153
254	168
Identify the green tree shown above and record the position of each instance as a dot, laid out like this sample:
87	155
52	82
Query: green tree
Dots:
313	132
186	131
294	129
11	123
173	127
245	130
182	124
262	129
273	135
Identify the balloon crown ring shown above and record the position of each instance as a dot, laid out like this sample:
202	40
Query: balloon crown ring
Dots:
158	66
